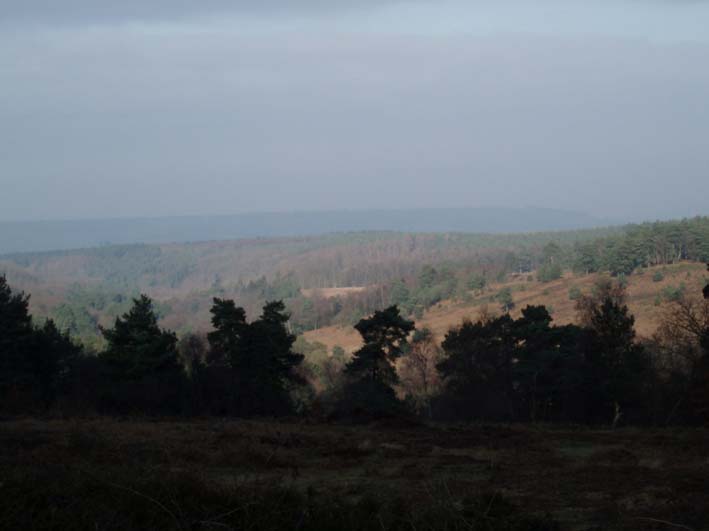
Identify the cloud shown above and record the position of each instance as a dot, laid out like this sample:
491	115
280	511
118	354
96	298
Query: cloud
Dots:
77	12
127	122
398	108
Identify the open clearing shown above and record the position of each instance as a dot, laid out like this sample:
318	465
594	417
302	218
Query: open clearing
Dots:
645	300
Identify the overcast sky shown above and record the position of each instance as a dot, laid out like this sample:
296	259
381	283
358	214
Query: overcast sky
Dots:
180	107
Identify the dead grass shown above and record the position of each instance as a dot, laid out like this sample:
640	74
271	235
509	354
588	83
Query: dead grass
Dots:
583	477
642	292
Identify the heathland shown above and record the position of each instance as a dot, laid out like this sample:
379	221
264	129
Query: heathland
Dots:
391	381
334	280
266	474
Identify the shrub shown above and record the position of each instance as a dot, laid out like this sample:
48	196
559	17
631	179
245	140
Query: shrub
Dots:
674	293
61	498
504	297
549	272
574	293
476	281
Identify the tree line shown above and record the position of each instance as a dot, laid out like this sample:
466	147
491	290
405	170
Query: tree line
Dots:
412	271
495	368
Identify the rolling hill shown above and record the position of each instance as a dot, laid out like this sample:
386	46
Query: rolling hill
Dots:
330	281
647	298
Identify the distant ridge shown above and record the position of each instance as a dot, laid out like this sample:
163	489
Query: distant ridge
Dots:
35	236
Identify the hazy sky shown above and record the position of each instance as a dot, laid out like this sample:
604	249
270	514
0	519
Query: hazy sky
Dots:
179	107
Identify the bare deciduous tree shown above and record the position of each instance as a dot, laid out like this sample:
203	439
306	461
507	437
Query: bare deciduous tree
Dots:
417	371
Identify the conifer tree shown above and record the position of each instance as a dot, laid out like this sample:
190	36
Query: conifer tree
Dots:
617	362
267	349
137	346
259	355
15	334
33	360
229	322
371	370
383	334
51	359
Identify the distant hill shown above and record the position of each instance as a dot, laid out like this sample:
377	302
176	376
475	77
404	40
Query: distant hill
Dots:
34	236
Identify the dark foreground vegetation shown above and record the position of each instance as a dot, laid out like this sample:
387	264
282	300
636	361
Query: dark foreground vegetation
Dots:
264	475
581	441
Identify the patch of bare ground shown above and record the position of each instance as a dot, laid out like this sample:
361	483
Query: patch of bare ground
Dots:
331	293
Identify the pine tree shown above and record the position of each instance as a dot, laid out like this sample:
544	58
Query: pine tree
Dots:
371	370
51	359
383	334
33	361
477	367
547	367
229	322
618	363
15	334
268	348
137	346
259	355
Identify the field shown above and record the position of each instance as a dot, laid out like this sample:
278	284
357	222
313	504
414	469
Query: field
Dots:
646	301
231	474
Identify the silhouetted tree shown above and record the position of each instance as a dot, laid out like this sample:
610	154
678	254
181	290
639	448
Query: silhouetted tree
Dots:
383	334
137	346
548	368
268	348
51	359
15	338
143	373
259	356
371	368
617	363
229	322
477	369
34	361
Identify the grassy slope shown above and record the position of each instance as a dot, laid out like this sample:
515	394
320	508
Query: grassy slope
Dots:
642	292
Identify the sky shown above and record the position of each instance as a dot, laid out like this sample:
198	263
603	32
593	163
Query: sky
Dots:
175	107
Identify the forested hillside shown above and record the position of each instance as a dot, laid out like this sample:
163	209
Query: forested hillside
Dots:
33	236
83	289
